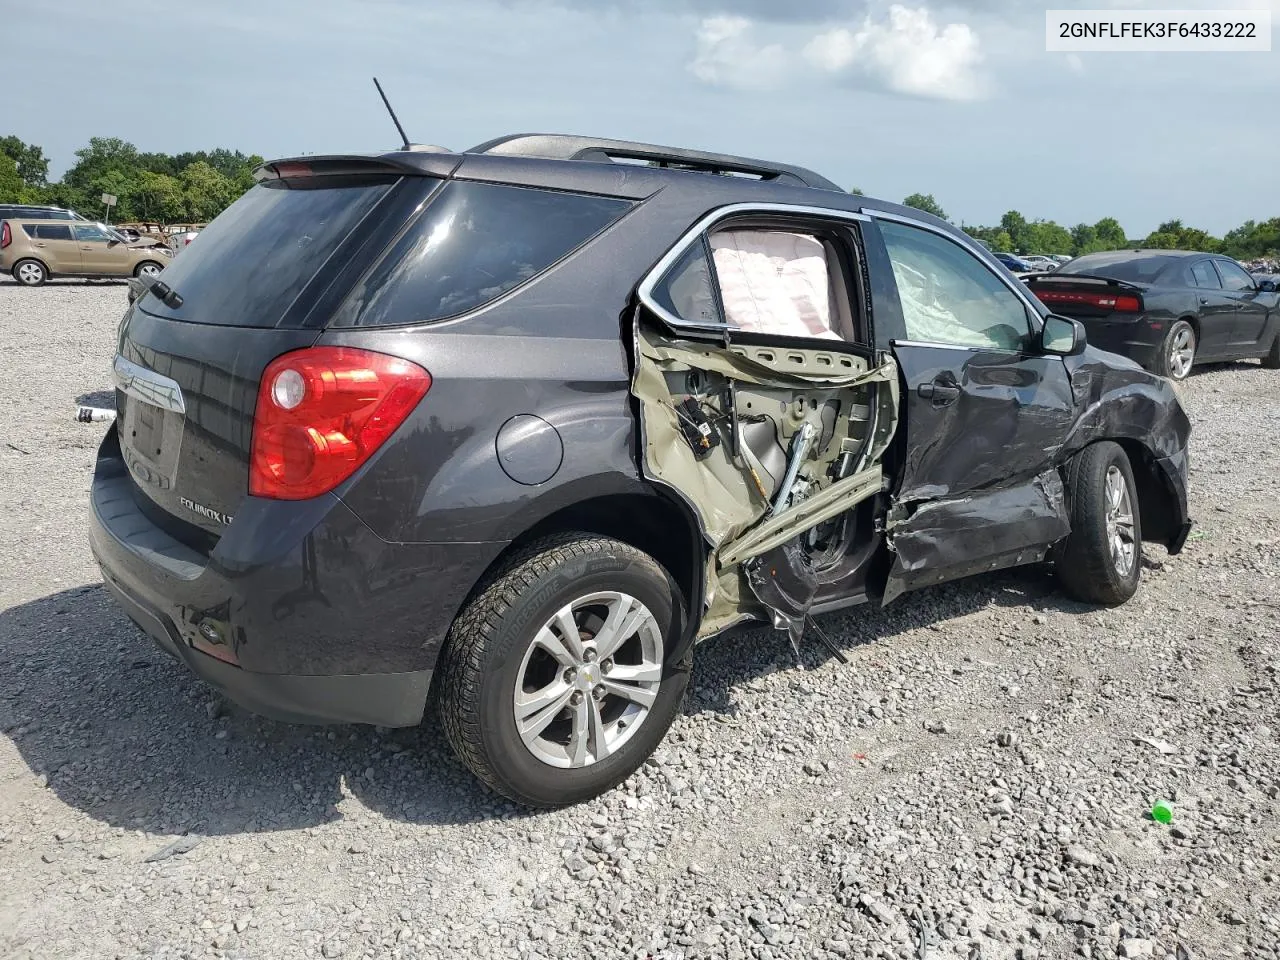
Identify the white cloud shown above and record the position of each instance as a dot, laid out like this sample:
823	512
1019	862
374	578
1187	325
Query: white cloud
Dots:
907	53
728	56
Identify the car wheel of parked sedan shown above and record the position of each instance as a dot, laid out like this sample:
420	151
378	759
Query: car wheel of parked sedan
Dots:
558	679
1178	352
30	273
1101	560
147	269
1272	360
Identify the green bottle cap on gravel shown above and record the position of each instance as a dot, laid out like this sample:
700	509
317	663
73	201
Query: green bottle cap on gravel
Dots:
1162	812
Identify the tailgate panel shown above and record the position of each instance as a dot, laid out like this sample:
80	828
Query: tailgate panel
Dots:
185	398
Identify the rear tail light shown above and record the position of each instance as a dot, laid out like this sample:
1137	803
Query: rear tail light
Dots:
6	237
1120	303
321	414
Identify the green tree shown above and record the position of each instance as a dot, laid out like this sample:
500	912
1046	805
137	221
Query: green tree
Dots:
159	197
1110	234
31	163
1174	235
1045	236
857	191
103	155
206	192
12	188
1084	239
925	202
1015	225
1252	239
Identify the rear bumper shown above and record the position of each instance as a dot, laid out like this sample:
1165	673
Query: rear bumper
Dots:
385	699
299	612
1139	339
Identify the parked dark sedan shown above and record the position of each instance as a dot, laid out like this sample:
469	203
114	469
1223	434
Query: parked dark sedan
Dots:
1167	309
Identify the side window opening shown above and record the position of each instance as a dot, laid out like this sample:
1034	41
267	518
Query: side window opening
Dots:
949	296
776	282
1205	276
1234	278
779	282
687	292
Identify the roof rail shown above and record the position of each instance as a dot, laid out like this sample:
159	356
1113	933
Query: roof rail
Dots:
564	147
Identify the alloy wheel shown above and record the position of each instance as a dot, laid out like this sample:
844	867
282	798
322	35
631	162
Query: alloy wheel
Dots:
148	270
588	679
1120	522
1182	352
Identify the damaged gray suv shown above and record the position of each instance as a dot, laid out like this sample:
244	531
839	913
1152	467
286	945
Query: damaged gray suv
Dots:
512	430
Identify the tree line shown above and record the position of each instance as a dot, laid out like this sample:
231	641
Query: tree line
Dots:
191	187
1016	234
197	186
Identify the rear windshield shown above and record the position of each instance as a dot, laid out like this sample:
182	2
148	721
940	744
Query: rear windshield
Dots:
1130	269
473	243
249	265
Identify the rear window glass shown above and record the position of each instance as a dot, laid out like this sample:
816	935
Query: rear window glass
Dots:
51	231
253	260
1141	270
473	243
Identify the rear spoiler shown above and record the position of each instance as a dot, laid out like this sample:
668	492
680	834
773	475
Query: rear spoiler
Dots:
1086	280
431	162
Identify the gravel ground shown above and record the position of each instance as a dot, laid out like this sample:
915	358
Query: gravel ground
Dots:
975	782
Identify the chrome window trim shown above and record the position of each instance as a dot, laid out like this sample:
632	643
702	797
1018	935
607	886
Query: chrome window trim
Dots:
969	246
968	348
694	234
148	386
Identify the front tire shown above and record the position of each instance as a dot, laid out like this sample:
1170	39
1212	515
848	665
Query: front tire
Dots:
1101	560
147	269
1177	352
1272	360
558	680
30	273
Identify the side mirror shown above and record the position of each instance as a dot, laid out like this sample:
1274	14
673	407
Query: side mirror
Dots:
1266	286
1062	336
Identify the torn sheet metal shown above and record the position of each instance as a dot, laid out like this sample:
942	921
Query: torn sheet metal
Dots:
936	540
790	425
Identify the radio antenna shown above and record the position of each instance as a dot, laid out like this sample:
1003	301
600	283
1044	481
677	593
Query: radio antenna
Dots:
394	119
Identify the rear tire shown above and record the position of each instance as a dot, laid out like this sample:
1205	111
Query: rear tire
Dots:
30	273
1177	352
547	717
1101	560
1272	360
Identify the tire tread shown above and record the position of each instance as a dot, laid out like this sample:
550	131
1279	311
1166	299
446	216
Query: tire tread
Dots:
1084	564
482	617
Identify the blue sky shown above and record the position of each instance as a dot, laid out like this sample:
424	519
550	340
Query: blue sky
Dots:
956	98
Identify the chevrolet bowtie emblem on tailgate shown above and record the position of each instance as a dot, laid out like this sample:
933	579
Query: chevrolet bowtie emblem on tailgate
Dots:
148	386
209	512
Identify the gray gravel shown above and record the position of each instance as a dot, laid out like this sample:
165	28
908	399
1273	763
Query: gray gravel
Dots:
975	783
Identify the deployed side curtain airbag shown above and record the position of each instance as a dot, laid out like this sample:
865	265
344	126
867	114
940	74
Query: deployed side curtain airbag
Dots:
774	282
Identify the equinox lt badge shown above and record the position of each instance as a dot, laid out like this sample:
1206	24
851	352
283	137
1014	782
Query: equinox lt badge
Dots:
209	512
